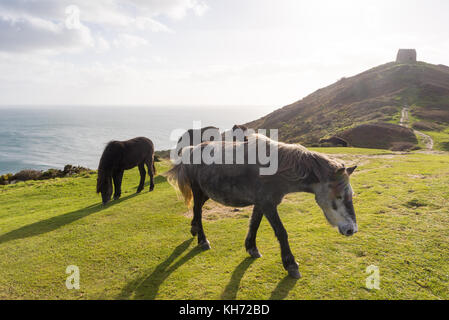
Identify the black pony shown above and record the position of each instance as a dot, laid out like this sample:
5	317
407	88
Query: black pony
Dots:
119	156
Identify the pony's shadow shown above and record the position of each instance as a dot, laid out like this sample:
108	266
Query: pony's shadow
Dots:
283	288
54	223
230	292
147	287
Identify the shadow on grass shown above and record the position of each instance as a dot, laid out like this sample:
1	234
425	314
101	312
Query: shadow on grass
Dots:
147	287
230	292
283	288
54	223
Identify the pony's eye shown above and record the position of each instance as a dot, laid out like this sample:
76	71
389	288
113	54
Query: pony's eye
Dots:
339	197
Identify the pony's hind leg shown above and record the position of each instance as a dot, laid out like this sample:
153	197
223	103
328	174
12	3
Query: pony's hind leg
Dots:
117	176
142	177
151	171
250	242
199	198
288	260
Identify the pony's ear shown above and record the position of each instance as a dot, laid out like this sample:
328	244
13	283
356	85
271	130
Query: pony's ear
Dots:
340	171
351	170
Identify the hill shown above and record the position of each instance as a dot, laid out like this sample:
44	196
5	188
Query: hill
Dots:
376	95
140	246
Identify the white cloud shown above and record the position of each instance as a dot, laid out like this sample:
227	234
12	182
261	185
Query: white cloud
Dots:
36	34
143	23
175	9
129	41
27	25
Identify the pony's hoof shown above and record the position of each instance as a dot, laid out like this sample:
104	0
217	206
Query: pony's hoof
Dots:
205	245
254	253
294	273
139	190
116	197
151	188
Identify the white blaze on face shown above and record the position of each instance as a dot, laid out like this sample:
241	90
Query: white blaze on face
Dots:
335	199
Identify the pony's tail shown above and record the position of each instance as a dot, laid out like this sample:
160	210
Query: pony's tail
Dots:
154	168
101	179
177	177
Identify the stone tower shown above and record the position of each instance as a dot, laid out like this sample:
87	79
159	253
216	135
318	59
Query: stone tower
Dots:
406	56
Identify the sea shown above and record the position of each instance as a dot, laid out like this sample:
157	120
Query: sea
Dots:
51	137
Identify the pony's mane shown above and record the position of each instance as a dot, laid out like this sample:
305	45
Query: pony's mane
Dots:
295	162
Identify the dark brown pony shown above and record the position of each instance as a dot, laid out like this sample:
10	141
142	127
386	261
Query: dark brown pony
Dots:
119	156
240	185
188	138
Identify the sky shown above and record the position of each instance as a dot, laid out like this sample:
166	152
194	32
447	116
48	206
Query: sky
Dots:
203	52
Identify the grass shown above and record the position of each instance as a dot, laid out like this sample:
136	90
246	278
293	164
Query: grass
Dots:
140	247
440	138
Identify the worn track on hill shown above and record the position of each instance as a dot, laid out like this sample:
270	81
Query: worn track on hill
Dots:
428	141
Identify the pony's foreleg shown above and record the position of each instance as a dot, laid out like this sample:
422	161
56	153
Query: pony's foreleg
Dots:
142	177
117	176
250	242
197	226
288	260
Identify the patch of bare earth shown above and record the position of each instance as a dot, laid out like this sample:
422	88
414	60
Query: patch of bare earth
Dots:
360	160
214	211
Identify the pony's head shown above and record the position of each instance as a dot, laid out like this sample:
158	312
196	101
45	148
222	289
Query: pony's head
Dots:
104	185
334	196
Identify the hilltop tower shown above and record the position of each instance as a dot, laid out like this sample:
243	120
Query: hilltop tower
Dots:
406	56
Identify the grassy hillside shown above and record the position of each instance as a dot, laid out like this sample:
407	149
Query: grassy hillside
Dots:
376	95
140	246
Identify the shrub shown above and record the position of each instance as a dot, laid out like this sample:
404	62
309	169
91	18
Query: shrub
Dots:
426	126
51	174
5	179
71	170
27	174
30	174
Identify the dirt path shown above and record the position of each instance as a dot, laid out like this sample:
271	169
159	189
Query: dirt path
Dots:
428	141
404	117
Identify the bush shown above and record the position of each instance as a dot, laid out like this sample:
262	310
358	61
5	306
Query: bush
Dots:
164	154
30	174
27	174
5	179
51	174
426	126
71	170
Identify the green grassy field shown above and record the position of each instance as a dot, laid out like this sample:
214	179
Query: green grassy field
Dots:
140	247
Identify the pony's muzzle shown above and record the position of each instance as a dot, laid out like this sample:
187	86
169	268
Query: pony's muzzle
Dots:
347	229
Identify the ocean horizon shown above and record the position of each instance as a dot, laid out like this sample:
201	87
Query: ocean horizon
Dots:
51	137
